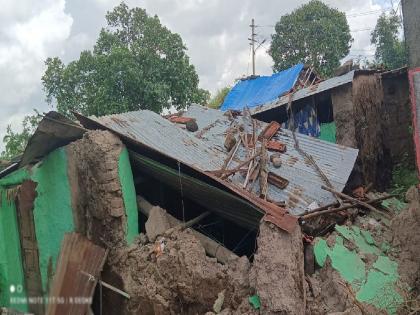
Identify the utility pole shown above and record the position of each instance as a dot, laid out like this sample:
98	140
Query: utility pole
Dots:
411	20
252	39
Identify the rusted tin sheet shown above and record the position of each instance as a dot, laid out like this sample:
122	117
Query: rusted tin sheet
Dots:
54	131
72	289
205	153
304	188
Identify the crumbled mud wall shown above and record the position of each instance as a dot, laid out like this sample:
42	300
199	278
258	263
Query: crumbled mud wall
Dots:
406	239
397	117
278	273
97	195
377	126
174	276
103	200
375	158
342	100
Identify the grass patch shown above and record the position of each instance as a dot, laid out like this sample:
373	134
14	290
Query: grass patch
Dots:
404	175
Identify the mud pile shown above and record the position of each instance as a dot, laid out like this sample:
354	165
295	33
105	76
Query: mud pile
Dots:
406	240
173	275
278	271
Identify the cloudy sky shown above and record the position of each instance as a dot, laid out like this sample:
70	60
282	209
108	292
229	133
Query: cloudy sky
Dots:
215	32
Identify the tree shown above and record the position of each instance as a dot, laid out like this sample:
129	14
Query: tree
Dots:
314	34
218	99
15	142
136	63
390	50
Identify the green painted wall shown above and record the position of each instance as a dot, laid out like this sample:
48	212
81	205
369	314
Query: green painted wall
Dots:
15	178
53	215
11	270
129	195
328	132
376	285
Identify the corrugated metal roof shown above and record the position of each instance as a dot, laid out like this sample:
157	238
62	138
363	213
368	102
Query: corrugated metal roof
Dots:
312	90
204	151
304	187
54	131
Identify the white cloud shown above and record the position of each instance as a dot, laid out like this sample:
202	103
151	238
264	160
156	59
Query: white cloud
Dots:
34	31
215	33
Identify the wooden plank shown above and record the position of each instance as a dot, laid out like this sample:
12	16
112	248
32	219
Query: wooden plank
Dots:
30	256
180	120
277	180
269	131
276	146
72	290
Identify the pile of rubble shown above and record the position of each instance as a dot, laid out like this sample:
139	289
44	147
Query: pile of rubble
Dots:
367	265
317	250
166	271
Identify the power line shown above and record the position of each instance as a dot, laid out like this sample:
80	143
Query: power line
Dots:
265	26
361	30
353	15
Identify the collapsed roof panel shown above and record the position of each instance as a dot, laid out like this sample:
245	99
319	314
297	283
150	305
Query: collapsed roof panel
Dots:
54	131
300	94
204	151
335	161
150	130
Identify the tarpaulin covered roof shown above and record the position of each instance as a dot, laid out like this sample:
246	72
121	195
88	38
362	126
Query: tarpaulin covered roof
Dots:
261	90
306	92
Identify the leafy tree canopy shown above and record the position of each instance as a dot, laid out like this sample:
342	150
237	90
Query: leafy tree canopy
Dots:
217	100
15	142
390	50
314	34
136	63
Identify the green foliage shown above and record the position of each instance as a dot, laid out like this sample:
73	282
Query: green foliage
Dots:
15	142
219	98
136	63
314	34
390	50
404	175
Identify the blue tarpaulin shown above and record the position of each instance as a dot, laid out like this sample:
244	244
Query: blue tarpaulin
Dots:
261	90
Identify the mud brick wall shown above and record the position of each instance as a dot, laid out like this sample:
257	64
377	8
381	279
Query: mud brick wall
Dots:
342	100
397	116
101	205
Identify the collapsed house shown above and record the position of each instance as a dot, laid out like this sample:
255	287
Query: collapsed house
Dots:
365	109
198	212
